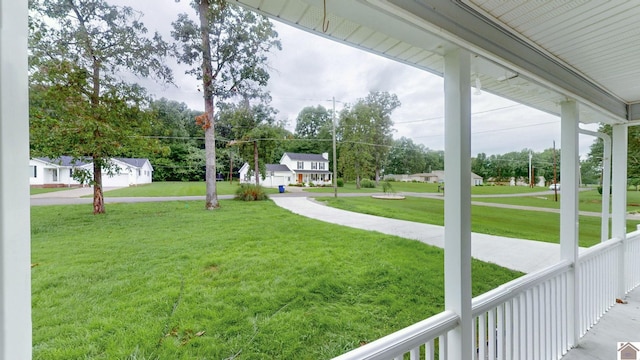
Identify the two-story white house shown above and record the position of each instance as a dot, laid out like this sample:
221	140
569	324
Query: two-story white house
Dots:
294	168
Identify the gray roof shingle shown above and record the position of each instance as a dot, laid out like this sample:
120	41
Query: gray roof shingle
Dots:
305	157
67	161
135	162
277	167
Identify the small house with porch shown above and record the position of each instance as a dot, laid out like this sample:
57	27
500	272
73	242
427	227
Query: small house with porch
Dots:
58	172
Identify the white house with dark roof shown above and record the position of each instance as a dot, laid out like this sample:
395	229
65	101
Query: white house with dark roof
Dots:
294	168
46	172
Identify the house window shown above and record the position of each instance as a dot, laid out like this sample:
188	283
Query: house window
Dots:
314	166
138	172
34	171
300	165
71	173
321	166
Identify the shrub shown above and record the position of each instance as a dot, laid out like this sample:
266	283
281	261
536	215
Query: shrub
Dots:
387	188
250	192
368	184
340	182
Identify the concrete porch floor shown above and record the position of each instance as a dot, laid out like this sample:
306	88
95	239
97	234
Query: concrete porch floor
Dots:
620	324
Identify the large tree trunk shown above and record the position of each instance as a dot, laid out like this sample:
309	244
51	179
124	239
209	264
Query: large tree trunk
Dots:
256	168
209	131
98	196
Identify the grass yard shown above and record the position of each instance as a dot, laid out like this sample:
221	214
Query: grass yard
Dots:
522	224
36	191
417	187
588	201
176	188
247	281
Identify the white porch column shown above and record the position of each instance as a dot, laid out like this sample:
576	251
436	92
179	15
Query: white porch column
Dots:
619	139
457	199
569	174
15	271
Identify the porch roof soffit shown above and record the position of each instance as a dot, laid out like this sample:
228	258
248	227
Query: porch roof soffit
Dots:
508	60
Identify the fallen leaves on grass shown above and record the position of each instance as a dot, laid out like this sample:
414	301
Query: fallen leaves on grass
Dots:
184	337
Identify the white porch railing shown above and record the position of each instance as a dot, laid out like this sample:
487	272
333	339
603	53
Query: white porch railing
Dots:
525	318
598	281
632	265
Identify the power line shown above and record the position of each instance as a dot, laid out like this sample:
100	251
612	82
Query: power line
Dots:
473	113
492	130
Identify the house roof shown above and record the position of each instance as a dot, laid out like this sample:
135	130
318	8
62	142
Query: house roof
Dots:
277	167
135	162
305	157
66	161
537	53
69	161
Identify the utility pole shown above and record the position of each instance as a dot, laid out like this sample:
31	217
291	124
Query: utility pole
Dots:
256	169
555	184
335	173
230	167
530	172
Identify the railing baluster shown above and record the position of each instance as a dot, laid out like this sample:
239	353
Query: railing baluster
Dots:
482	337
414	354
429	348
509	330
491	351
442	347
500	332
529	308
517	338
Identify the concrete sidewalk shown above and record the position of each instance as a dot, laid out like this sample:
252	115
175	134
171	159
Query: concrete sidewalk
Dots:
517	254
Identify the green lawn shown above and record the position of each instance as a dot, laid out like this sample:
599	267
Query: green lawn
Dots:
588	201
417	187
35	191
177	188
250	280
522	224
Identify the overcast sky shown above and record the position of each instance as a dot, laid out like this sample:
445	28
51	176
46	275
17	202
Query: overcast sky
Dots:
310	70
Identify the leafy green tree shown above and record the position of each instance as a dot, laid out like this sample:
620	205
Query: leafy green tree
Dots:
314	131
633	151
480	166
355	149
589	172
382	104
434	160
79	106
228	48
255	133
175	129
405	157
366	137
544	164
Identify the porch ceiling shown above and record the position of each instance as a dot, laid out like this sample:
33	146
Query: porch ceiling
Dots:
535	53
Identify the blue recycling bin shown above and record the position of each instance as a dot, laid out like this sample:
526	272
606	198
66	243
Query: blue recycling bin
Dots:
280	189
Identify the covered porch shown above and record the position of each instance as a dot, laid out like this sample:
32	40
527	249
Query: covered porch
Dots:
568	59
574	59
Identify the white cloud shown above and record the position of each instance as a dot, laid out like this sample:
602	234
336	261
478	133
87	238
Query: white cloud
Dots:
310	70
